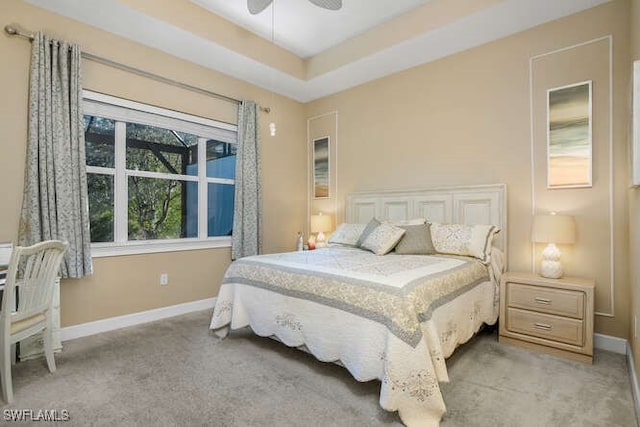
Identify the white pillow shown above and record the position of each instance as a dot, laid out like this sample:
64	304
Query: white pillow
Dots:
346	234
371	225
468	240
413	221
383	238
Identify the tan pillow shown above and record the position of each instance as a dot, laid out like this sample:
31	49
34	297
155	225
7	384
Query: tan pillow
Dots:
416	241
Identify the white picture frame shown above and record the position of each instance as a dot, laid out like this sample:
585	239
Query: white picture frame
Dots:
569	136
321	168
635	126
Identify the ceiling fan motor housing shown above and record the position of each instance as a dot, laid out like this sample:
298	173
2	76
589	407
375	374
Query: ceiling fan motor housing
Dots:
257	6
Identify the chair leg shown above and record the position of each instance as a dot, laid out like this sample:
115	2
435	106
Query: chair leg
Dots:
47	336
14	354
5	373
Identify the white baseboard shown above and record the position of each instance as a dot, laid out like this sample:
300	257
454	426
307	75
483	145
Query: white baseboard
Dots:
621	346
113	323
609	343
635	389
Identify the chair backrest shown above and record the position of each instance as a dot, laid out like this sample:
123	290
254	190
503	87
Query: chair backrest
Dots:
33	269
5	252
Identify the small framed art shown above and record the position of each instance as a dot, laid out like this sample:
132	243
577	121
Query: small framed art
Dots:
569	133
635	126
321	168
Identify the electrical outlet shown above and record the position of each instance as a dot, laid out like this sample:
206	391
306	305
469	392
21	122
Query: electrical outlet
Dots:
164	279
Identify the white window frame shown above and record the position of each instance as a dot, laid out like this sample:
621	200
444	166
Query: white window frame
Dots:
123	110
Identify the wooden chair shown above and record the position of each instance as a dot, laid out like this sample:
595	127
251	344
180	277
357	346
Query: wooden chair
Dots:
32	274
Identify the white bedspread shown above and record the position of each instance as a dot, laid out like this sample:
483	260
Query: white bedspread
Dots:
393	318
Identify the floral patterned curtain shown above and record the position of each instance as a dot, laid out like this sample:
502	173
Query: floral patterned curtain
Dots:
55	203
247	216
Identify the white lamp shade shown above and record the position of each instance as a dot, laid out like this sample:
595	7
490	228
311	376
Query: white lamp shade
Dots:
559	229
320	223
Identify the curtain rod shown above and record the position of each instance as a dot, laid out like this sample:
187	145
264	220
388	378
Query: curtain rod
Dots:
15	31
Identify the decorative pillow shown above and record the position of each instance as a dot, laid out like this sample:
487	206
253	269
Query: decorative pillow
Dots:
367	230
416	241
403	222
469	240
383	238
346	234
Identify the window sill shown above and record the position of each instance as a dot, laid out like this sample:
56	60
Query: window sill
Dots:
100	250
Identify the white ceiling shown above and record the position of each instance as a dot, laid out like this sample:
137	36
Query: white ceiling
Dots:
305	29
505	18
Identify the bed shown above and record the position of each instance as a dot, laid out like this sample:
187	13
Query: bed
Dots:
395	318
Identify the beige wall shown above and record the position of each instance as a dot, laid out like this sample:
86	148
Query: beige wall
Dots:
465	119
127	284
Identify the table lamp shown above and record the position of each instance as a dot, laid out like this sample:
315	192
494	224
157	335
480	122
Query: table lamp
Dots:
552	229
319	224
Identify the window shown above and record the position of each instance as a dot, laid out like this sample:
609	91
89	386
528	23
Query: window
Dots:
158	179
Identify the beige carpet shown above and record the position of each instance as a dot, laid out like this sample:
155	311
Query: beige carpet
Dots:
174	372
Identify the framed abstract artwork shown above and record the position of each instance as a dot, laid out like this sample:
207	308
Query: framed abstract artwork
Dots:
635	126
321	168
569	133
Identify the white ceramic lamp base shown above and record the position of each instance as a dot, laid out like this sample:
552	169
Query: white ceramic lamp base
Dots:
550	266
320	242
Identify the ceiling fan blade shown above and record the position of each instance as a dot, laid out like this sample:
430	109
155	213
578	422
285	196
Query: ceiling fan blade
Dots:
257	6
328	4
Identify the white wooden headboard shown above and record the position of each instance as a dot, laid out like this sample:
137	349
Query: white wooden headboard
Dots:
477	204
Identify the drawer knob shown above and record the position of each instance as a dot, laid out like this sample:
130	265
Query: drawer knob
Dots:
542	326
544	301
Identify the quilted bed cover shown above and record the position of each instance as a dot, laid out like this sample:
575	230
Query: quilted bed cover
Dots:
394	318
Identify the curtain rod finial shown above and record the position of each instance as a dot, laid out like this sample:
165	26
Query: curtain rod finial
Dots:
14	30
265	109
9	29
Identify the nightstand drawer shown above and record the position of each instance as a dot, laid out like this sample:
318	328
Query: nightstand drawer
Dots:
546	326
553	301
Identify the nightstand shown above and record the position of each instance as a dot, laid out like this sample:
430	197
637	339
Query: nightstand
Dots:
551	315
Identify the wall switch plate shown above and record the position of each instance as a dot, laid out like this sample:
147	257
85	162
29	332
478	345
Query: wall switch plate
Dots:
164	279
